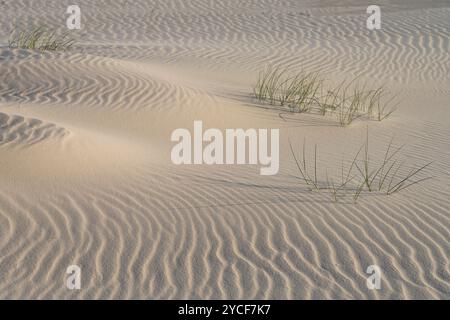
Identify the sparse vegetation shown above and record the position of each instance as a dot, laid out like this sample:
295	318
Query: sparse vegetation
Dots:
298	91
40	38
304	93
376	108
362	174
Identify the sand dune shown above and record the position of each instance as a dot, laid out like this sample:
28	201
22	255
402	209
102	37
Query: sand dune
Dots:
86	176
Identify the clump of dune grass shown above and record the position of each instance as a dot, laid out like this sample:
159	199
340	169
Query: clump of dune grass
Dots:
40	38
305	92
350	101
279	86
363	175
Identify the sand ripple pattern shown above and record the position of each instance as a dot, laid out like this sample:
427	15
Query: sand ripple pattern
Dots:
287	32
234	241
150	230
84	80
17	131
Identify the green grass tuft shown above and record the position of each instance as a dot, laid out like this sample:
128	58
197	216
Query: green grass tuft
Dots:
40	38
304	93
362	174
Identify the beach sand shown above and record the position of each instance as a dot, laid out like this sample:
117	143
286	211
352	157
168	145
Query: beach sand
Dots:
86	176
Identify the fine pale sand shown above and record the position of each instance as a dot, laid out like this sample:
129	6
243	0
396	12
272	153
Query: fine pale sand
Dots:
86	176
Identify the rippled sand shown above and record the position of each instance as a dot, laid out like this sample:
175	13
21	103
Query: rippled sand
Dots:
86	176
